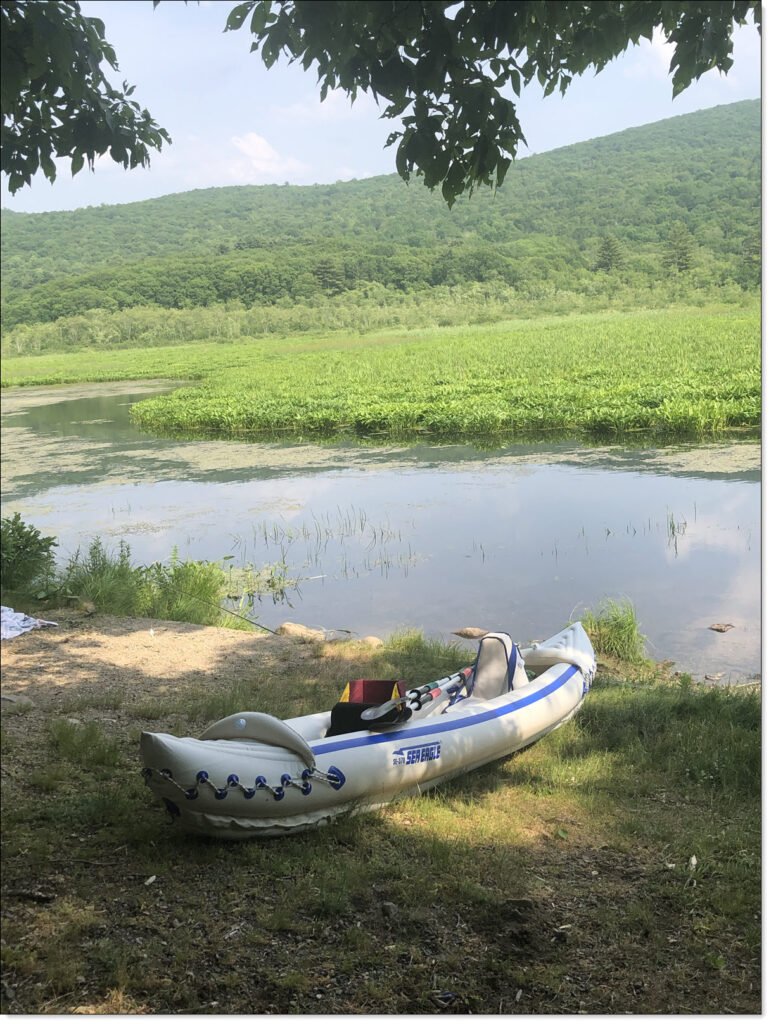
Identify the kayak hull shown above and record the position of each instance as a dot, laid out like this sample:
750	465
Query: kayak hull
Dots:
234	784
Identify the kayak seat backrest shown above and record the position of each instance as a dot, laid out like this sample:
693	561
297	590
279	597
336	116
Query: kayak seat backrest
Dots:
498	669
358	695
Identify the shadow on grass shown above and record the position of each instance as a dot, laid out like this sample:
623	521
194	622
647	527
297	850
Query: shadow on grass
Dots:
590	872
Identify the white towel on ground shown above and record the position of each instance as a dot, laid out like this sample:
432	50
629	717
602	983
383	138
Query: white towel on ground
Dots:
15	623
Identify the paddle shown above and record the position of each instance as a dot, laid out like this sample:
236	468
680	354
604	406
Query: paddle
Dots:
400	708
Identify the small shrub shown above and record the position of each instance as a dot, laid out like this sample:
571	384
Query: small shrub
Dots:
26	556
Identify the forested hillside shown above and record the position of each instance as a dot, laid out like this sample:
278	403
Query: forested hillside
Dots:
677	200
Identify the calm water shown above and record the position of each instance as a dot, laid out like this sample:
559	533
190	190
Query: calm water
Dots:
520	538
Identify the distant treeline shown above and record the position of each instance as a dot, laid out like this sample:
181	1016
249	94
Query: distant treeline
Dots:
644	207
362	310
255	278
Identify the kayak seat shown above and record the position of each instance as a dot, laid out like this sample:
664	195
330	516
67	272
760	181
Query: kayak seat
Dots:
498	669
358	696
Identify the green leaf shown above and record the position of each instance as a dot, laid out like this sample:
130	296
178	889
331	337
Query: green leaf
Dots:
16	181
48	166
259	18
238	16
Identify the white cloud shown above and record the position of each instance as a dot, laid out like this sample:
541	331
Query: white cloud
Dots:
261	160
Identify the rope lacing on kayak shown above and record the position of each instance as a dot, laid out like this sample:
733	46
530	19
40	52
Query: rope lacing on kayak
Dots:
334	778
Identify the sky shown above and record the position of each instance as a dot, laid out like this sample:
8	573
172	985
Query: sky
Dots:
234	122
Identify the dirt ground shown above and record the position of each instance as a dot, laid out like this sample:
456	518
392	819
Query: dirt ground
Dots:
134	658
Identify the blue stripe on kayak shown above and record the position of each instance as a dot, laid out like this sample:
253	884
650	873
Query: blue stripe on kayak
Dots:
398	735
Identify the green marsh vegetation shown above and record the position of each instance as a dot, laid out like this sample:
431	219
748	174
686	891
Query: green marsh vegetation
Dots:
676	373
613	865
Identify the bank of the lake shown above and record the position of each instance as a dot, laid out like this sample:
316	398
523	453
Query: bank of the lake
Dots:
612	867
371	539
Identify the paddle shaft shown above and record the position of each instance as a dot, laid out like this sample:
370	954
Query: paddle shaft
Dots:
420	695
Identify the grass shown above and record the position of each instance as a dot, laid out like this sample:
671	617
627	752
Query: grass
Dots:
613	866
176	591
107	581
680	373
614	630
83	745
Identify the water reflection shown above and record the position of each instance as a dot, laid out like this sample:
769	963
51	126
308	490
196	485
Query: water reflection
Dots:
430	537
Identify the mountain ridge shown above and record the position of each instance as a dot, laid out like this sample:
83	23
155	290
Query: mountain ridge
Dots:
261	244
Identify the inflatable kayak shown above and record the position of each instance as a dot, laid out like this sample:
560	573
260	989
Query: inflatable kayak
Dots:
252	775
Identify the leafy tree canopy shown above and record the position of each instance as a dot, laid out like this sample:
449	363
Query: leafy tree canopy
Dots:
444	68
55	98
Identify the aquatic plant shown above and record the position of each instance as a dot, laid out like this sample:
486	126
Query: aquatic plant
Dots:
672	373
179	590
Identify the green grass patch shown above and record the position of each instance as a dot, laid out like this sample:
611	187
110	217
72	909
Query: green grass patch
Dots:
83	744
107	580
178	591
679	373
613	629
183	591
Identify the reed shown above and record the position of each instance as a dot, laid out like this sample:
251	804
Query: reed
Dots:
178	590
104	579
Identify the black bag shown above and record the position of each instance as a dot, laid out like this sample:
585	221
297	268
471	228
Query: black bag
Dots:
358	695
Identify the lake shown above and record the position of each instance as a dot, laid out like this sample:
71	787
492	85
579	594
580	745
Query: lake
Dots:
521	537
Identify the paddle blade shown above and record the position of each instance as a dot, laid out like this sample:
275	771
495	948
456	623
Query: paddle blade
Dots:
387	714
